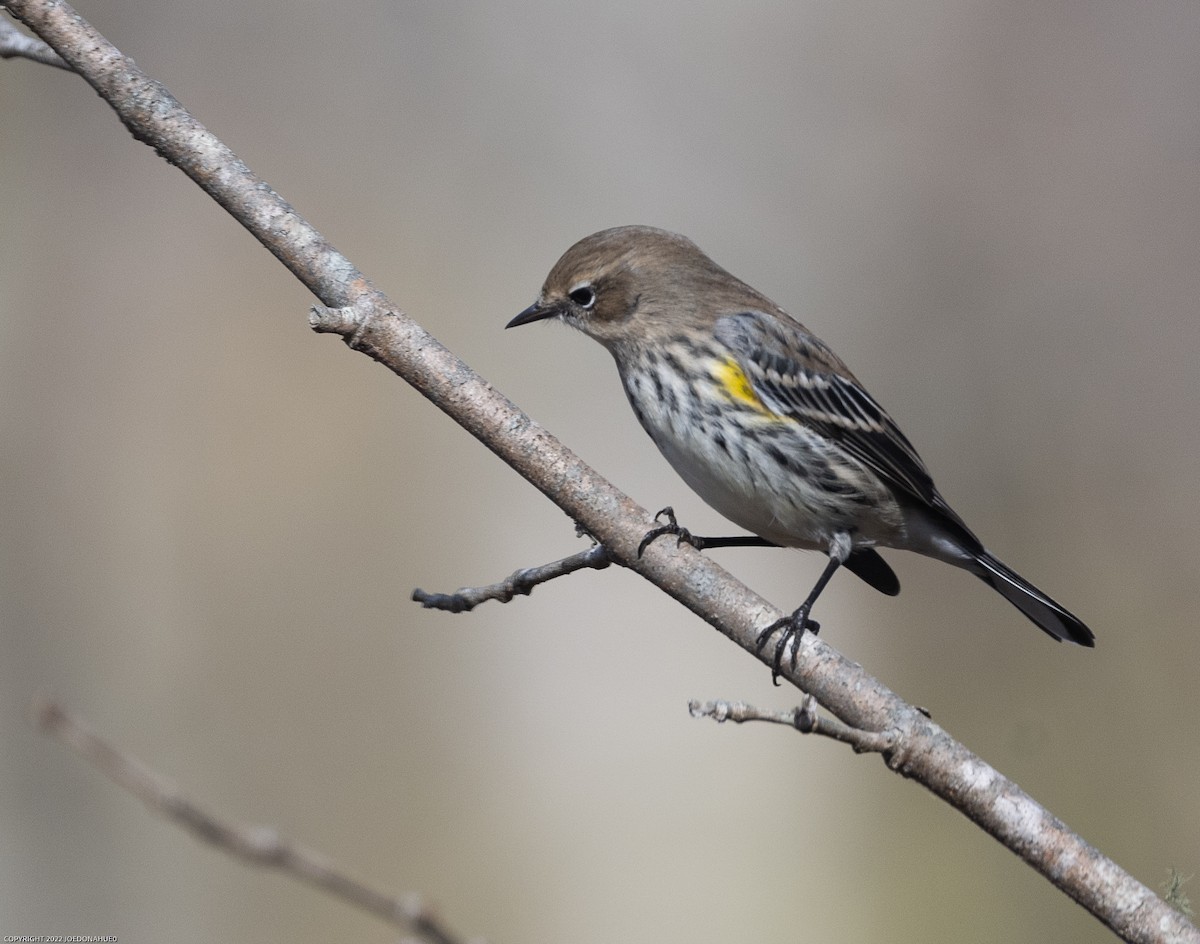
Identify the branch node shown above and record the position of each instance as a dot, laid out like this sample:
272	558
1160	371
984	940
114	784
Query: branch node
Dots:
897	755
805	716
344	321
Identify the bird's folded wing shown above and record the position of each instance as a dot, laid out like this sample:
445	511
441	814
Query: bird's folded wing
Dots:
796	375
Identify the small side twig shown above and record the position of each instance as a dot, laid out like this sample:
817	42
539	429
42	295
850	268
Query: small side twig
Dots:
16	45
519	583
258	845
803	718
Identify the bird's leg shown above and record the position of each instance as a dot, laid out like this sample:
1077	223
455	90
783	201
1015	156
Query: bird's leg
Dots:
684	536
793	627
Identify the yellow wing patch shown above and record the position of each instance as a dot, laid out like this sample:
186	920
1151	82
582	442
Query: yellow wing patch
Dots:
734	384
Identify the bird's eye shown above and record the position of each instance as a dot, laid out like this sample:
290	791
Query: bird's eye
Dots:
583	295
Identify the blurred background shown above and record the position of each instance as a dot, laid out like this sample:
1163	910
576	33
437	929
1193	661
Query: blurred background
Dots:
212	518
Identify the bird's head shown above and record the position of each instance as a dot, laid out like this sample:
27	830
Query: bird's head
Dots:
631	282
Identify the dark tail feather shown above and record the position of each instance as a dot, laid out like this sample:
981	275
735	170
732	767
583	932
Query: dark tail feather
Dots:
1050	616
872	568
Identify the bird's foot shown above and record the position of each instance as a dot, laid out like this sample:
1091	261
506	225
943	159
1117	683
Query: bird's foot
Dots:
682	534
790	629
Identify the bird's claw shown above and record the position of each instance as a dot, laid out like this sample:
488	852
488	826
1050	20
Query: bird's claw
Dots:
682	535
790	629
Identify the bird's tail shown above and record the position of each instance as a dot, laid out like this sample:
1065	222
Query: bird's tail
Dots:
1052	617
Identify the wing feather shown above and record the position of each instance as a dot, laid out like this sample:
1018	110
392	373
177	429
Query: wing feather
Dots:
796	375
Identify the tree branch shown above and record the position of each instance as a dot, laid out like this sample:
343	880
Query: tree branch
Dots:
16	45
256	845
803	718
372	324
518	583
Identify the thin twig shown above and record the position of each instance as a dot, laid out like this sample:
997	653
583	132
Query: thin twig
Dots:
518	583
16	45
803	718
257	845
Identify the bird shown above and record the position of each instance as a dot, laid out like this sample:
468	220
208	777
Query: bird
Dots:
765	422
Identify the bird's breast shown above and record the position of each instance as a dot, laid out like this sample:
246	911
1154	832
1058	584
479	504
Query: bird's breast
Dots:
766	472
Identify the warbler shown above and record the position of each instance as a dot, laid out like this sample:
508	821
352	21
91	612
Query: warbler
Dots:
765	422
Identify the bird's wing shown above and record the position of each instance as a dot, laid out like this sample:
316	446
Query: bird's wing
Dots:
796	375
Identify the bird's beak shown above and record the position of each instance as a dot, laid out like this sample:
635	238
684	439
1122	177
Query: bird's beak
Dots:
535	312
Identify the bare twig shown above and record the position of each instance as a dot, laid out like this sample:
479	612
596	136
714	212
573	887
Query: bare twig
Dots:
518	583
257	845
371	323
16	45
803	718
